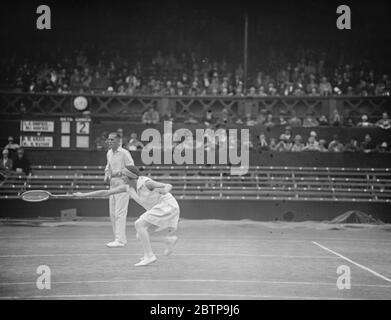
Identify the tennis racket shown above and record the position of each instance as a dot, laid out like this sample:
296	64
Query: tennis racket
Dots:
41	195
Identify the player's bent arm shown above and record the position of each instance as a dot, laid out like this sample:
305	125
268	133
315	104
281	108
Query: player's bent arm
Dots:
101	193
160	187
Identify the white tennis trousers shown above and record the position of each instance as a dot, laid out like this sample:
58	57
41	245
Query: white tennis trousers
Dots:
118	210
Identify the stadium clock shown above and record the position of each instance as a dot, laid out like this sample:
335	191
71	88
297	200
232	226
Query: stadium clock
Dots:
80	103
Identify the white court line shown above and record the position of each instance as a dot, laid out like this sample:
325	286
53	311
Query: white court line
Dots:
227	238
353	262
176	295
303	283
175	254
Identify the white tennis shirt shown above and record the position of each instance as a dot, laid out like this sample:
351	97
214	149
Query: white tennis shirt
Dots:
117	160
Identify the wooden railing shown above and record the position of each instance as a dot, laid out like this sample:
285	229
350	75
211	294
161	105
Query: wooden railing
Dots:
216	183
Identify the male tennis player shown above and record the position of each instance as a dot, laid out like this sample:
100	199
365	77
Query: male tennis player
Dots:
162	209
117	159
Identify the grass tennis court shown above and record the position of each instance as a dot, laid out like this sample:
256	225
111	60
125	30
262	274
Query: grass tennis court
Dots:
213	260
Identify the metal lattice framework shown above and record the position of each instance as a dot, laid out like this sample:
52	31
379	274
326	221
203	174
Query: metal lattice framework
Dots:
134	106
373	106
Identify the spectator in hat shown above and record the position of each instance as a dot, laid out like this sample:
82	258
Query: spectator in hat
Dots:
282	121
384	147
312	144
269	120
323	121
368	145
298	144
364	123
134	144
336	119
12	147
352	146
349	123
325	88
294	121
313	134
283	145
384	122
150	117
21	164
335	145
6	163
288	133
310	121
314	92
11	144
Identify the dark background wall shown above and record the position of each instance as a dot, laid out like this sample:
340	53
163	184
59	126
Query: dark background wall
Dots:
294	159
207	209
214	27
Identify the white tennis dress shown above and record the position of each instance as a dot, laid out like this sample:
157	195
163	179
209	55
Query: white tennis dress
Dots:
162	209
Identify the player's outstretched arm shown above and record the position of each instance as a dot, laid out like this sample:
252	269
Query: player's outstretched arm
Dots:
160	187
101	193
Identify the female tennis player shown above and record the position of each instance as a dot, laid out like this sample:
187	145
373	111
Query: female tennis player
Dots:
162	209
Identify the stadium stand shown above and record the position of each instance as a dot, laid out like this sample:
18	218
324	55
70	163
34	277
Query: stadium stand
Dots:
216	183
315	92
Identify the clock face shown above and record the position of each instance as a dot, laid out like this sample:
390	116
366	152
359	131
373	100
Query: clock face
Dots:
80	103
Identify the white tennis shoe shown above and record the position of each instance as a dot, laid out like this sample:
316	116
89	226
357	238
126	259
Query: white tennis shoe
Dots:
170	244
146	261
115	244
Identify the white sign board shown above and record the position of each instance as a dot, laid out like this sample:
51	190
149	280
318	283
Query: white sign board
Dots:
65	141
65	127
37	126
82	141
37	142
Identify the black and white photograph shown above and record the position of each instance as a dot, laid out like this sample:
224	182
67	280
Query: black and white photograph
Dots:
196	152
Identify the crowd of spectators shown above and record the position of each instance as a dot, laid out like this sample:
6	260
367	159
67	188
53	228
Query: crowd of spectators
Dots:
266	118
287	142
311	120
14	160
309	73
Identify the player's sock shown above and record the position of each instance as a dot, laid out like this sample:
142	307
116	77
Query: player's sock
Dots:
144	238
